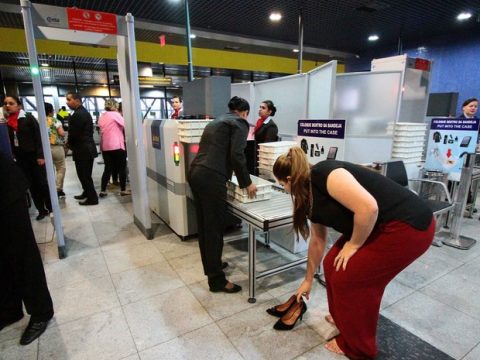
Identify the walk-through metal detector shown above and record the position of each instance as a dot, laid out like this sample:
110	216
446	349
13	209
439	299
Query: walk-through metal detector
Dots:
94	28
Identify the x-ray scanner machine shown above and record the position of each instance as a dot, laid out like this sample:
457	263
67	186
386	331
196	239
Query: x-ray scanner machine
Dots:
167	165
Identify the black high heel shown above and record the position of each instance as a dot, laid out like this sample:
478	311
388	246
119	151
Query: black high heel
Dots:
274	311
295	312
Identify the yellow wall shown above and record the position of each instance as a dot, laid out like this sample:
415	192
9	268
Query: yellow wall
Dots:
13	40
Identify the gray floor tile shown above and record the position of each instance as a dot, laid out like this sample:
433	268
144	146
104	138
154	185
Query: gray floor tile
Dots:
474	354
395	291
12	350
319	352
252	333
120	258
221	305
458	291
171	246
189	268
140	283
164	317
84	298
443	327
198	344
102	336
418	274
76	268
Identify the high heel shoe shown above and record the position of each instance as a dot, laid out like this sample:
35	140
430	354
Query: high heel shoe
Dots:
281	309
295	312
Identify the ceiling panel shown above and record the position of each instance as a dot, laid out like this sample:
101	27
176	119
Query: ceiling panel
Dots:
341	25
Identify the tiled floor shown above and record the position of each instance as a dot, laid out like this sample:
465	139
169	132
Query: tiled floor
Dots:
120	296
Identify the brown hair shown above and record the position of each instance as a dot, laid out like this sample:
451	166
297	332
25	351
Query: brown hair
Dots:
468	101
295	164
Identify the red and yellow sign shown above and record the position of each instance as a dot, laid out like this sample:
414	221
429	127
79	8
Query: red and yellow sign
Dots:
93	21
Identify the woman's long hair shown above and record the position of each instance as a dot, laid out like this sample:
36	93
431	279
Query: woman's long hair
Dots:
295	164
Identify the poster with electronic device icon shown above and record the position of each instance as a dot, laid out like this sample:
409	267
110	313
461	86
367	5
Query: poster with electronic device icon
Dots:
322	139
448	140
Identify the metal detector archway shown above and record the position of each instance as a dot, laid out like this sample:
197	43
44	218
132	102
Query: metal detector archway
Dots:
94	28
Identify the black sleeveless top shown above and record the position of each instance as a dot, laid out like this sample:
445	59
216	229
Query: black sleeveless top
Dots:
394	201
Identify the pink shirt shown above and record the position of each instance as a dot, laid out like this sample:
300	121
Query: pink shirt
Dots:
111	125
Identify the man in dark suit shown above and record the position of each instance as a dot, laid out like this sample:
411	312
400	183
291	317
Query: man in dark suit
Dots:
22	278
84	151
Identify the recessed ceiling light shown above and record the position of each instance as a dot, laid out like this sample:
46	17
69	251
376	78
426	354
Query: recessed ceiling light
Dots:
193	36
44	64
295	50
464	16
373	38
275	16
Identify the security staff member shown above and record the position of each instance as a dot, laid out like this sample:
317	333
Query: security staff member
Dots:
221	151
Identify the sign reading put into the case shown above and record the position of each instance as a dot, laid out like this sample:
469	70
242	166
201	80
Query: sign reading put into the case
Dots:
322	139
448	139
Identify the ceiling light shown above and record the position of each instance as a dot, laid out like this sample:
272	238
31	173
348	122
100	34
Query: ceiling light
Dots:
295	50
193	36
275	16
464	16
373	38
44	64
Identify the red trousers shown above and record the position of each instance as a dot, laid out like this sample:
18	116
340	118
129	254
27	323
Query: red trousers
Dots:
354	295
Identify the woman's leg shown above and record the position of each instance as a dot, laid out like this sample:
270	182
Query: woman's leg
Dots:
121	167
58	156
354	295
107	171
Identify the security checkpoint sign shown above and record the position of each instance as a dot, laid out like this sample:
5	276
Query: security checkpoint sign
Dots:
322	139
93	21
448	140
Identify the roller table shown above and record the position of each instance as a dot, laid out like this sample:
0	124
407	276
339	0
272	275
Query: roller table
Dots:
264	216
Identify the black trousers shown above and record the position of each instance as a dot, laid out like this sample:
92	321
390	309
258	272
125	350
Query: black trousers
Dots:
115	163
37	177
84	172
22	278
209	191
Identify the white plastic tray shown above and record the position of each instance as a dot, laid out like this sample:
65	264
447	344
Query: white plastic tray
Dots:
192	124
189	139
264	190
190	132
276	147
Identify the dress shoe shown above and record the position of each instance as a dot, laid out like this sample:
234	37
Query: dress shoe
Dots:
80	197
103	194
60	194
88	202
10	321
224	265
42	214
234	289
33	331
281	309
295	312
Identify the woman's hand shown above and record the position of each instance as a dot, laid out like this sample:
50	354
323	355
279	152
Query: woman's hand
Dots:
304	290
344	255
251	190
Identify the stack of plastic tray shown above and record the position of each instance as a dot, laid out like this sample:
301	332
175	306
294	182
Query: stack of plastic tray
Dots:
409	142
264	190
190	131
268	153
